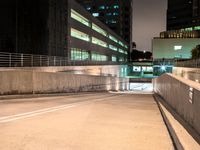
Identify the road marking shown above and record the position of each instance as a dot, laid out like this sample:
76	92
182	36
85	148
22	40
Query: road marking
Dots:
46	110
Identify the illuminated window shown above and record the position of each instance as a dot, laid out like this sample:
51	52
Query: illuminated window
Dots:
113	47
99	42
121	59
120	43
114	58
177	47
99	57
113	38
95	14
88	8
121	50
188	29
116	6
115	14
79	18
197	28
102	7
78	54
79	35
126	46
98	29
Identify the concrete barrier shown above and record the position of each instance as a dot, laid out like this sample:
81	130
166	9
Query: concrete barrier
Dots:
182	95
187	73
30	82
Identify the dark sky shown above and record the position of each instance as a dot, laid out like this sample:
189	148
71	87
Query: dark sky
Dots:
149	19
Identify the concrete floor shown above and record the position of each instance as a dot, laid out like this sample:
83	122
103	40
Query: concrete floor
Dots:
99	121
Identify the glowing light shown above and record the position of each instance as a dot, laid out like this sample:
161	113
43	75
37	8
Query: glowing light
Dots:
163	68
178	47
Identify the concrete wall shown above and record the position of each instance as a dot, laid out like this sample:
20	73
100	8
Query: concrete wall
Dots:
176	92
111	70
187	73
28	82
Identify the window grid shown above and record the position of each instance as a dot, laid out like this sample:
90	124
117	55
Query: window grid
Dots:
75	15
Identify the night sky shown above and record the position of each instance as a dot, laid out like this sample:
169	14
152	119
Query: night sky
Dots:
149	19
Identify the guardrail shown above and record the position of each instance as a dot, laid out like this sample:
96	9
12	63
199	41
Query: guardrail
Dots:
189	63
28	60
193	63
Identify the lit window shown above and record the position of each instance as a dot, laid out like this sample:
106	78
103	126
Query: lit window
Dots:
178	47
98	29
95	14
126	46
115	14
120	43
88	8
79	35
121	50
197	28
99	42
79	18
121	59
102	7
116	6
78	54
113	38
113	47
99	57
188	29
114	58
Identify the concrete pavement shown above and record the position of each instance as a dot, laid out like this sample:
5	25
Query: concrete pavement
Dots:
99	121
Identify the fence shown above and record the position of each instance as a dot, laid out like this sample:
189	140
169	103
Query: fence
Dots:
189	63
28	60
178	63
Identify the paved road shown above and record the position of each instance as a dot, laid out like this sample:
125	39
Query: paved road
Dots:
98	121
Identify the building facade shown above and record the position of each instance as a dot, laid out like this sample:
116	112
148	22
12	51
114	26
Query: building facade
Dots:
183	31
58	28
183	14
117	14
173	48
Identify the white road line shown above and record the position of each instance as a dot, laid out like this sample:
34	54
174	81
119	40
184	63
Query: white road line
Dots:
44	111
39	112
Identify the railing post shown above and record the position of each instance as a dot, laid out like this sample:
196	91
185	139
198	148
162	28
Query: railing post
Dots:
48	61
54	61
31	60
40	60
22	63
10	59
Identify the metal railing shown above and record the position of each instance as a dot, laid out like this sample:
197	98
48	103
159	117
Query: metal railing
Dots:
29	60
188	63
192	63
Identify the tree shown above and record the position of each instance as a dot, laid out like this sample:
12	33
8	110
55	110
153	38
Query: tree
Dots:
196	52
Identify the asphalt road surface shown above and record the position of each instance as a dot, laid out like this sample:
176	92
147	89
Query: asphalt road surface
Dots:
90	121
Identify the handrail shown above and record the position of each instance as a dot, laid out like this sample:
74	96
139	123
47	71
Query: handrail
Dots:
192	63
30	60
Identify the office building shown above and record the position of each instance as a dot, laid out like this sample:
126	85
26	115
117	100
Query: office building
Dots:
58	28
183	31
183	14
183	19
116	14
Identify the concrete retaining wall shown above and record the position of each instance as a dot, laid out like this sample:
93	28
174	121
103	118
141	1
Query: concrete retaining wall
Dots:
28	82
188	73
176	91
